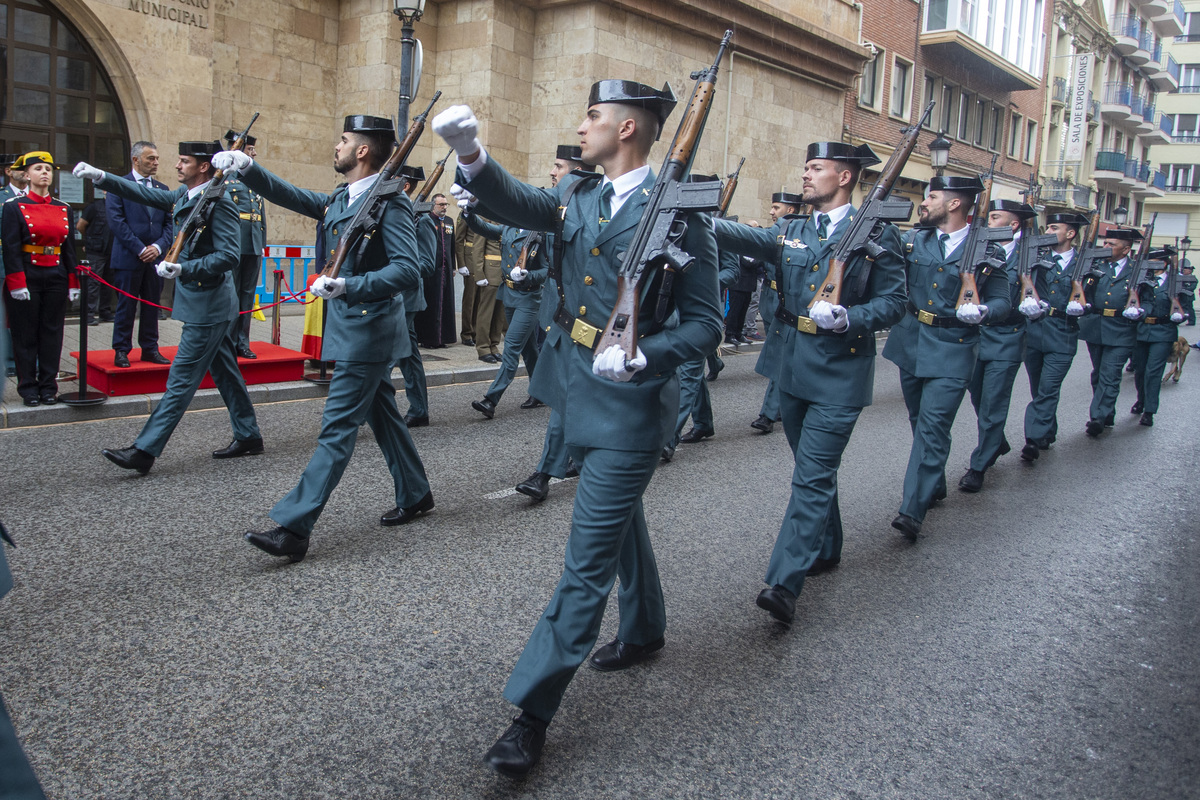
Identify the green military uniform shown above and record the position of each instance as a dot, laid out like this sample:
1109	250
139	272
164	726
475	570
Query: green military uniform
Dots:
484	260
1156	336
252	214
1188	282
365	333
471	249
1109	335
416	387
206	304
1051	342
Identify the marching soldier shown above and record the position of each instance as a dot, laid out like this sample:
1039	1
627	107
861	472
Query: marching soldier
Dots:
365	334
206	304
935	345
1157	334
1052	339
784	206
1109	328
1188	281
617	413
834	342
416	387
252	212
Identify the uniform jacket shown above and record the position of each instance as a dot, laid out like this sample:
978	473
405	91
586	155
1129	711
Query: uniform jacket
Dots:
53	222
426	230
639	415
473	249
367	323
527	293
1157	302
1108	293
1003	338
252	212
1058	333
135	227
837	369
933	285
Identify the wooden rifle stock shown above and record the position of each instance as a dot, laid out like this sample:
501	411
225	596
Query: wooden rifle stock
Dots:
529	250
434	177
730	187
1077	293
1138	276
1173	286
968	292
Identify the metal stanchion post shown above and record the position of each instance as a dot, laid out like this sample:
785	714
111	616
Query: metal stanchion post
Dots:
83	397
276	309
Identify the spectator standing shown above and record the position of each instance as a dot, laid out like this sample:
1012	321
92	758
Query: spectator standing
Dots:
97	244
469	250
16	182
435	325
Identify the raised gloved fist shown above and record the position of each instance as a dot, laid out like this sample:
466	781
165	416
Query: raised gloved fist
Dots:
464	271
1031	308
1075	309
829	317
458	126
1133	312
232	159
87	171
970	313
517	275
168	269
328	288
72	295
465	199
20	294
611	364
482	282
1177	317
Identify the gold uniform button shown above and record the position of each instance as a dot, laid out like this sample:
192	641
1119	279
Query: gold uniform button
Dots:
935	286
595	251
589	280
939	269
852	351
812	287
582	310
335	232
929	302
815	268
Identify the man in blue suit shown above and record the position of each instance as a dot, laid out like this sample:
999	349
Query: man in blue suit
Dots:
617	413
141	236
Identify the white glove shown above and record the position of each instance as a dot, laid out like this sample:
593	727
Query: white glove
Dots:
235	159
517	275
1031	308
611	364
465	199
458	126
1177	317
168	269
970	313
20	294
86	170
1133	312
464	271
72	295
482	282
829	317
328	288
1074	309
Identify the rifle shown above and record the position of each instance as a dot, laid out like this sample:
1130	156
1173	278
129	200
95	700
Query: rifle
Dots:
976	248
533	242
370	207
1141	267
1173	285
1030	245
422	205
1087	256
727	193
663	225
867	224
197	220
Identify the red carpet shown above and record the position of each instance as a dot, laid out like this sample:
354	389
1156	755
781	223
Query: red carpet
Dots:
273	365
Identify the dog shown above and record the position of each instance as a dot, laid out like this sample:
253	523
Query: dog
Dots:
1175	361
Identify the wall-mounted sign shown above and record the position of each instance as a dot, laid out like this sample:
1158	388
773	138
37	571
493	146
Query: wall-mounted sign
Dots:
183	12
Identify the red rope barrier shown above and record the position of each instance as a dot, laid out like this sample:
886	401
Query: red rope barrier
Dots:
291	294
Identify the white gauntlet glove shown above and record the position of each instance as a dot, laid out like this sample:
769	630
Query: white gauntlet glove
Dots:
1074	309
1177	317
970	313
232	159
464	271
72	295
1031	308
458	126
1133	312
517	275
829	317
465	199
483	282
87	171
20	294
611	364
328	288
168	269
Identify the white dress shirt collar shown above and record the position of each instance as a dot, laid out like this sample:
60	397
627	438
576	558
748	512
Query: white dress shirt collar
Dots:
624	186
956	238
197	189
356	189
835	218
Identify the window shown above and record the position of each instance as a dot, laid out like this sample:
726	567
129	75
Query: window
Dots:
981	122
931	95
1031	129
1110	204
1187	127
947	110
1014	135
964	116
997	128
868	84
1182	177
1189	78
901	88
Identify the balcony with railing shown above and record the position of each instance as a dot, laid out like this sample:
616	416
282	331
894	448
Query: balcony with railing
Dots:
1160	132
1115	102
1145	46
1127	30
1058	94
1187	38
1164	75
1131	169
960	33
1137	105
1146	123
1055	191
1170	23
1110	166
1192	89
1082	196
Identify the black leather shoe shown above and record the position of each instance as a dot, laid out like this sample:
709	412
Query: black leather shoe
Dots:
908	526
241	447
246	352
763	423
154	357
490	358
532	402
468	341
1110	420
518	749
49	400
121	359
778	602
130	458
618	655
416	422
667	454
1147	419
1005	447
713	374
1137	408
572	470
972	481
1030	451
31	401
398	516
1094	428
485	407
279	542
821	566
536	486
693	436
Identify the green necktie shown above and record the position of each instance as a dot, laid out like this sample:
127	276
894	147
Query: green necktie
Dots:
606	205
945	237
823	227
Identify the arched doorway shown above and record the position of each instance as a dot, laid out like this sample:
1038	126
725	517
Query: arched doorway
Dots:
54	93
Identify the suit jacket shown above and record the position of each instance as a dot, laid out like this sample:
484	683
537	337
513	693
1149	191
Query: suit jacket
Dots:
204	291
249	205
639	415
837	369
135	227
1157	302
527	293
1058	333
1003	338
1108	293
367	323
427	245
933	285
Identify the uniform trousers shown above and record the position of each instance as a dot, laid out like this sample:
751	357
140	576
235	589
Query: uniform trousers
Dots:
554	450
812	525
489	321
694	400
1046	371
141	281
991	393
770	403
1149	364
359	392
608	539
17	778
37	333
932	405
413	369
245	281
1108	365
202	348
468	309
519	342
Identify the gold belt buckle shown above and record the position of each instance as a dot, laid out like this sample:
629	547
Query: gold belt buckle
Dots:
49	250
772	285
1152	320
1108	312
509	284
806	325
925	318
584	333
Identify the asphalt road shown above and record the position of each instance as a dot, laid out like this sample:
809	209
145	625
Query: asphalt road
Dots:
1040	641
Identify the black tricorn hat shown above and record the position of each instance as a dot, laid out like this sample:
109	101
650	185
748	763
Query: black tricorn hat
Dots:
8	159
569	152
1067	218
414	174
862	155
365	123
200	149
631	93
955	183
1022	210
1162	253
1124	234
787	198
231	137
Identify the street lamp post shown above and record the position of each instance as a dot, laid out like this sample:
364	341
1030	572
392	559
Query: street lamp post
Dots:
1120	215
939	153
409	11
